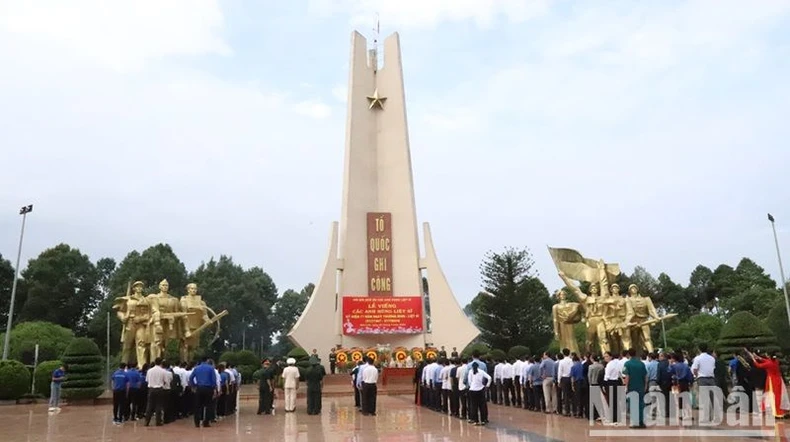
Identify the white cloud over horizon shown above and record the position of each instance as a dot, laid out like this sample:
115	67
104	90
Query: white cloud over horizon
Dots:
646	134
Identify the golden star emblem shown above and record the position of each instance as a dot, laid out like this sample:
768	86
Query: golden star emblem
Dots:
376	101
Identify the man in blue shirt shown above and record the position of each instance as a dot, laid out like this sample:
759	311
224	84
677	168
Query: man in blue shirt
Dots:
120	391
536	382
58	375
579	388
204	380
480	366
133	400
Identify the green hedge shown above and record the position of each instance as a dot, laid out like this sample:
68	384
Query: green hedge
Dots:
88	384
246	372
479	346
497	354
517	351
44	376
51	338
14	380
743	329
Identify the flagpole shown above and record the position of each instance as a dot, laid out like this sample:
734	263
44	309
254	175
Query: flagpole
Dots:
781	269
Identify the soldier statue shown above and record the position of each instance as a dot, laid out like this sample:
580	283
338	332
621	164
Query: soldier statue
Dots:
166	311
195	321
134	312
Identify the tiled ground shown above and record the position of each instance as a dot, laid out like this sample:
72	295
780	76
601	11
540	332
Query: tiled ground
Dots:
398	420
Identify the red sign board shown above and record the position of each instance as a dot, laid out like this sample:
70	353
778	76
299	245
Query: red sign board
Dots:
365	315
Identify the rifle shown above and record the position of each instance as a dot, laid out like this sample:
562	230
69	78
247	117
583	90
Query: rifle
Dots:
172	316
653	321
118	306
210	322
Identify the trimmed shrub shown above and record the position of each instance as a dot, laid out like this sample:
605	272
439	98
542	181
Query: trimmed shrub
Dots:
302	361
743	329
14	380
777	322
246	372
43	375
88	384
497	355
479	346
228	357
246	357
51	338
517	351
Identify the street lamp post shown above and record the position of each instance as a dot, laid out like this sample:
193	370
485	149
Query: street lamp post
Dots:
23	211
781	269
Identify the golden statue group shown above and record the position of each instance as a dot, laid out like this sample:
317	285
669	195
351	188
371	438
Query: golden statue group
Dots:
616	322
150	322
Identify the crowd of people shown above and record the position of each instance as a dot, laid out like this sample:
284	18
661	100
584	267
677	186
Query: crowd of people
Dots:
567	383
206	391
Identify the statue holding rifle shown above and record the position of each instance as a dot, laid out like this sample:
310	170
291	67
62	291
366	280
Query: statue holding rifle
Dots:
165	319
197	320
134	312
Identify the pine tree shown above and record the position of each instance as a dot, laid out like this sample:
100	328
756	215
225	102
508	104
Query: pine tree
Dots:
515	307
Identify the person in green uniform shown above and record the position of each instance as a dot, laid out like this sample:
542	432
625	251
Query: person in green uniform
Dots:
264	378
635	374
314	378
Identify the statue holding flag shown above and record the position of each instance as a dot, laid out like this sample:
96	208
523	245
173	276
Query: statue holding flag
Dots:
618	322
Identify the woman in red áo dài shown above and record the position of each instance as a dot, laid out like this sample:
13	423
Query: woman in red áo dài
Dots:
775	389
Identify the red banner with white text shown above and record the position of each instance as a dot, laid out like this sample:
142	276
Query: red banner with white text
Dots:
365	315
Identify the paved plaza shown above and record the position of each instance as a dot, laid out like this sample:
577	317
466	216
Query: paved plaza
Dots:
398	420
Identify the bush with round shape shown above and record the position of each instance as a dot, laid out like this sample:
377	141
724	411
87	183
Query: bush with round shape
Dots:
743	329
14	380
51	338
497	355
228	357
302	360
84	375
246	357
246	372
43	376
481	348
518	351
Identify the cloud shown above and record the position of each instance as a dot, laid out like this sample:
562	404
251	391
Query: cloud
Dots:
313	109
644	133
427	14
124	35
340	93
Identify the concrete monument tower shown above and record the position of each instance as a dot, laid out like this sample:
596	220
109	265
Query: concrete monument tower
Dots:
370	290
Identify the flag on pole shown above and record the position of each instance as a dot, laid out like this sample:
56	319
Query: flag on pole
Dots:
577	267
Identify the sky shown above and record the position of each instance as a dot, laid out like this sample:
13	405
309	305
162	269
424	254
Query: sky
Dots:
644	133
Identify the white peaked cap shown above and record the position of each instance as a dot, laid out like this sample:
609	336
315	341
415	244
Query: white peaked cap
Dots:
290	361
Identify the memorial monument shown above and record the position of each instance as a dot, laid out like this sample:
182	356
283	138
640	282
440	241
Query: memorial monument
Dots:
370	291
150	322
614	322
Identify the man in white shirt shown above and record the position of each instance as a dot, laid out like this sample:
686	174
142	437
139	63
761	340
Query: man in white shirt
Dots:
447	386
518	367
612	381
508	388
497	396
703	367
428	376
156	378
463	398
564	373
370	376
291	384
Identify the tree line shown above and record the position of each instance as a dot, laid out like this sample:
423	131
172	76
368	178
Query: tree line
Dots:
514	307
64	286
